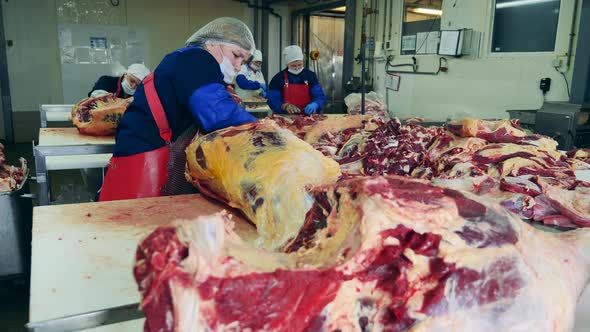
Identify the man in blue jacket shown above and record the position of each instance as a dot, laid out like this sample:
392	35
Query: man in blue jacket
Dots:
295	89
186	93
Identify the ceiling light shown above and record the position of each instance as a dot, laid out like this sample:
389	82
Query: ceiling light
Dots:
427	11
518	3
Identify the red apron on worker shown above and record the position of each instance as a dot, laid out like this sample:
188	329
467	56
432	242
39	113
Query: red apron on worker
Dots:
296	94
118	87
143	174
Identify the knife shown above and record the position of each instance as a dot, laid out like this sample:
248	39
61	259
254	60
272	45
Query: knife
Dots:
88	320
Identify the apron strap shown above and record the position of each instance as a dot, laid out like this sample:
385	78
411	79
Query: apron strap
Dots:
156	108
286	77
118	87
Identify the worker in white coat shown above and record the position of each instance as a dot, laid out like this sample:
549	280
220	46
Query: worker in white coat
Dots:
250	83
121	86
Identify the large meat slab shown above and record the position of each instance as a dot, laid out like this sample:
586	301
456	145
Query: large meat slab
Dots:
374	254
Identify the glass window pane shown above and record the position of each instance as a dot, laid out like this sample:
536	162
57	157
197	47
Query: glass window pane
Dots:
419	16
525	25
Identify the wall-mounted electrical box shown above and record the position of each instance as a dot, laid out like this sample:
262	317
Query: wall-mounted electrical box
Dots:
388	45
459	43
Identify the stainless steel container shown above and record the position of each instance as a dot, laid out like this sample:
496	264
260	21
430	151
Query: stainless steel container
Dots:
16	213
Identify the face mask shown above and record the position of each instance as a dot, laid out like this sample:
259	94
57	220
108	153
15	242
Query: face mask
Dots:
127	87
254	67
296	72
228	70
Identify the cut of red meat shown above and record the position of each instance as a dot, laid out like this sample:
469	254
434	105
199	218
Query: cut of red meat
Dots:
520	184
11	177
393	254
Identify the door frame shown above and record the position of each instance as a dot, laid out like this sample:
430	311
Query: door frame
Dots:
6	111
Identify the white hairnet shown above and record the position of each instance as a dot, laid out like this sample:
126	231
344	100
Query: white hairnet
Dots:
138	70
292	53
226	30
257	56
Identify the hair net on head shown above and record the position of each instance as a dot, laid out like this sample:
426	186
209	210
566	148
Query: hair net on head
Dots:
292	53
138	70
225	30
257	56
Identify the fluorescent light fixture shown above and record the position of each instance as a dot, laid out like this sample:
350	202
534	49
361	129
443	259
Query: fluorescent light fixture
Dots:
339	9
518	3
427	11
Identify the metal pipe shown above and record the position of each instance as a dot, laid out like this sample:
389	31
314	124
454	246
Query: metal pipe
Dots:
349	41
272	12
363	53
390	19
384	20
572	35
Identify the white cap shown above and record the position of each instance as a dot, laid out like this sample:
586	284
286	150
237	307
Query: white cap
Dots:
257	56
138	70
292	53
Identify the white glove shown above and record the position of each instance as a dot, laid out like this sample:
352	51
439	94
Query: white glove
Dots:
98	93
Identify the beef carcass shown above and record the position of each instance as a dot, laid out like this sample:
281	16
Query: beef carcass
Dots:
580	154
488	158
298	124
380	254
262	170
499	131
99	116
11	177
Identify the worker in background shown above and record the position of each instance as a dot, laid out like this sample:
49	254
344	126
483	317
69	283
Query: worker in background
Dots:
250	83
186	93
122	86
296	89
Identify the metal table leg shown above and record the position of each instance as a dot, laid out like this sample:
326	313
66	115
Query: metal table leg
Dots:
42	177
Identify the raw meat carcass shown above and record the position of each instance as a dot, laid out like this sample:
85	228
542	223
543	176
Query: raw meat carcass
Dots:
375	254
495	159
499	131
374	105
11	177
580	154
262	170
99	116
298	124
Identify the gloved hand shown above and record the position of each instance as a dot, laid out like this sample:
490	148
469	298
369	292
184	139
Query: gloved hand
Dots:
311	108
290	108
263	94
263	87
98	93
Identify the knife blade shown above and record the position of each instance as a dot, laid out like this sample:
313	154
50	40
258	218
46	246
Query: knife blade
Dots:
88	320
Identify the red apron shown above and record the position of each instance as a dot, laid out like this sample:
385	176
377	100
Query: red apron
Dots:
118	87
143	174
296	94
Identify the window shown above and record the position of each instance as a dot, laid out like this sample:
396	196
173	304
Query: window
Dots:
525	25
420	27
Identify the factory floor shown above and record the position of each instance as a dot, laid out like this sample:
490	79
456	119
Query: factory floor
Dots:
70	186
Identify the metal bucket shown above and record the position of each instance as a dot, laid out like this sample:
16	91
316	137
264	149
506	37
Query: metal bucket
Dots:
16	213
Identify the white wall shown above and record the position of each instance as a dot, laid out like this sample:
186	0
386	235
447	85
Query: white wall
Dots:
33	61
485	87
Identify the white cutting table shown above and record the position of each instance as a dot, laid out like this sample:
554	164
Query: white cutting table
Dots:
65	148
82	255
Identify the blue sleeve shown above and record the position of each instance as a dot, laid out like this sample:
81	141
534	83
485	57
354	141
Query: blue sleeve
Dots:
275	93
246	84
317	93
213	108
